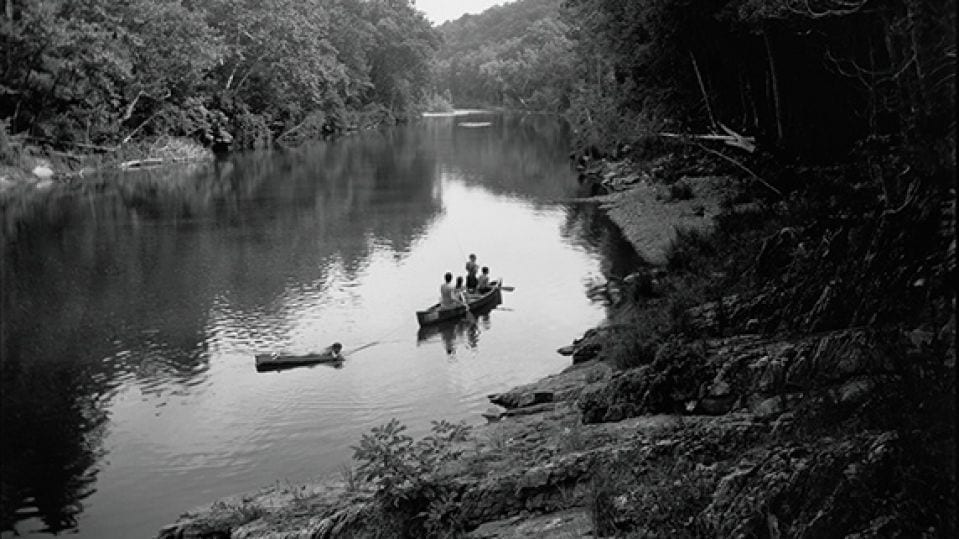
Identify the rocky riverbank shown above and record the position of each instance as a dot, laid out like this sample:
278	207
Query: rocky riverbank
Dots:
702	408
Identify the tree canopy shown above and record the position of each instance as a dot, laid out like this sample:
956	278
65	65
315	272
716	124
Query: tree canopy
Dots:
102	71
518	55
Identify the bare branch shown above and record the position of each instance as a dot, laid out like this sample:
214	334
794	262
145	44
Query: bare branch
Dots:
842	8
742	167
702	88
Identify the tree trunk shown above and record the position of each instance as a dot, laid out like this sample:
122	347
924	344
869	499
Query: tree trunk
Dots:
775	89
702	88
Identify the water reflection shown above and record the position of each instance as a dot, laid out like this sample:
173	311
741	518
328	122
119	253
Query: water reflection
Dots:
465	331
52	430
122	292
588	227
112	281
518	155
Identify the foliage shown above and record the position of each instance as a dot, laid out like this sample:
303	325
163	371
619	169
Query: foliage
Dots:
96	72
436	102
517	55
808	79
410	486
9	149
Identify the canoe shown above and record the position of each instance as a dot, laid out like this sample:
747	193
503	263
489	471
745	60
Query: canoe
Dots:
475	302
273	362
451	330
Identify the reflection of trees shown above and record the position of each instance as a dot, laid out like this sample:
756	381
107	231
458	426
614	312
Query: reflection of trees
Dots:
136	264
51	431
467	329
587	226
519	155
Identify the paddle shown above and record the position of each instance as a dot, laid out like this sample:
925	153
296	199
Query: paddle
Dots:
365	346
507	288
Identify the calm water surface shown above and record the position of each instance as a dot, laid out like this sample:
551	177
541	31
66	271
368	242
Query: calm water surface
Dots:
133	306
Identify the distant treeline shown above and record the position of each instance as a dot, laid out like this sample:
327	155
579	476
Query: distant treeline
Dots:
518	55
99	72
811	78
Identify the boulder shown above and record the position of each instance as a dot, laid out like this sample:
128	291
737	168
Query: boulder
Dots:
715	405
492	414
769	407
520	397
530	410
586	352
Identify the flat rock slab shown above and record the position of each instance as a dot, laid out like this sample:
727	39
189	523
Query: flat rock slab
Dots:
528	410
569	523
650	223
558	387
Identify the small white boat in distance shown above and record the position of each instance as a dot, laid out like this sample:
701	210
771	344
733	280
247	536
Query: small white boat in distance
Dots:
475	124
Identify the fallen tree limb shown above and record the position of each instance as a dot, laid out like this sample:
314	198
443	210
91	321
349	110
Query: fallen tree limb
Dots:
742	167
66	155
141	163
294	128
731	138
702	88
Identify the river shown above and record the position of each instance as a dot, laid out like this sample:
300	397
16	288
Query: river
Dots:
133	305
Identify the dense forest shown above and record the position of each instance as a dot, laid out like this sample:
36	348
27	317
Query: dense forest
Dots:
519	55
87	73
812	79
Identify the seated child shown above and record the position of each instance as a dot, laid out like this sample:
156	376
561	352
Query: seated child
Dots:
482	282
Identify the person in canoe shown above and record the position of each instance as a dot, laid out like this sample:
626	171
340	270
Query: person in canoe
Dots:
331	354
459	293
482	282
471	268
448	297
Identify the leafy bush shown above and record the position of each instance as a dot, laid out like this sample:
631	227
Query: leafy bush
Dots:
410	487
